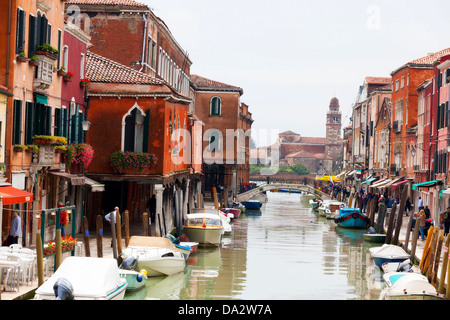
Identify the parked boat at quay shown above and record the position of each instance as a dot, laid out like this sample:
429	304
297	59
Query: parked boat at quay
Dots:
86	279
158	256
315	203
408	286
204	228
388	253
351	218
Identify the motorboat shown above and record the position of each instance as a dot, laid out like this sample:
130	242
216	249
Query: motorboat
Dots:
84	278
388	253
128	270
252	204
156	255
332	210
204	228
240	206
408	286
405	266
234	211
351	218
225	219
373	236
325	205
315	203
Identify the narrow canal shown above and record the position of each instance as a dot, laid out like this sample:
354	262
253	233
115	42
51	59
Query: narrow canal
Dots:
284	252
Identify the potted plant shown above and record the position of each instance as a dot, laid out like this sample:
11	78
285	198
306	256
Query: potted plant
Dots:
84	82
20	147
47	50
68	243
32	148
60	149
132	161
44	139
79	157
50	248
68	77
34	61
21	57
61	71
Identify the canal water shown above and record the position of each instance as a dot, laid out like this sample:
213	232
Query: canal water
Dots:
283	252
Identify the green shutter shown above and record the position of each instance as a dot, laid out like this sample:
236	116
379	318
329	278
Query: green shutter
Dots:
17	122
146	131
32	28
48	121
20	31
65	113
29	123
58	122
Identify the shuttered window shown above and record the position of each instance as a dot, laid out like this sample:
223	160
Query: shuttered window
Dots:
32	36
20	31
58	62
17	122
29	123
216	106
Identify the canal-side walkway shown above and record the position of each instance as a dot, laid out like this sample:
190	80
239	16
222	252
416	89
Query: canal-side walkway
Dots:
136	229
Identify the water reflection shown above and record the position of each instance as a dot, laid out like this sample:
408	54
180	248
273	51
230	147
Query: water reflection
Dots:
283	252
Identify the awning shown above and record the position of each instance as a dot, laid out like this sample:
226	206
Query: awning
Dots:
381	183
95	186
75	180
328	178
427	184
395	185
369	181
11	195
446	191
41	99
389	184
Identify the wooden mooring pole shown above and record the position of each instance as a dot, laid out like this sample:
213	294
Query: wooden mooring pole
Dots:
119	234
87	248
390	224
99	236
401	210
444	266
127	227
145	224
40	259
58	252
415	238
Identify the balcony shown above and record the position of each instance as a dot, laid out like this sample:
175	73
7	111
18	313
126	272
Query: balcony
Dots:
44	75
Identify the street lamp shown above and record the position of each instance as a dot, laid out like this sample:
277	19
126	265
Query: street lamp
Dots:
86	124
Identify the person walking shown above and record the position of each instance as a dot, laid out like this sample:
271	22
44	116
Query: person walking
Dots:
445	220
421	221
420	203
407	207
15	230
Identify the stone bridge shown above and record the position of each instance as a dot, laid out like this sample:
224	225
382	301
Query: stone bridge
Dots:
245	196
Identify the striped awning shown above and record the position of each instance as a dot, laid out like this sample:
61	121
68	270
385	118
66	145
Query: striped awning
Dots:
381	183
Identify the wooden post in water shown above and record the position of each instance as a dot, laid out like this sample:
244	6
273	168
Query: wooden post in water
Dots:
426	250
399	223
408	232
437	258
40	259
428	267
119	234
390	224
99	236
216	200
113	235
87	248
414	242
444	266
58	253
380	218
127	227
145	224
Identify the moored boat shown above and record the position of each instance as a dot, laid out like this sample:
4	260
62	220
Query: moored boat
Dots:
226	226
408	286
252	205
135	279
315	203
204	228
405	266
388	253
157	255
351	218
234	211
84	278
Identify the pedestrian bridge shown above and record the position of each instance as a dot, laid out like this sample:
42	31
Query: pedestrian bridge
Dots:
245	196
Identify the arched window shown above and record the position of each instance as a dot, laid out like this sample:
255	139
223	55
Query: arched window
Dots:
216	106
135	130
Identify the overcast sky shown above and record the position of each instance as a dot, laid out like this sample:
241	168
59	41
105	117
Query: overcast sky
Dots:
292	57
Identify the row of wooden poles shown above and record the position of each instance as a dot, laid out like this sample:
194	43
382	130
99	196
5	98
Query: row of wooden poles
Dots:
431	256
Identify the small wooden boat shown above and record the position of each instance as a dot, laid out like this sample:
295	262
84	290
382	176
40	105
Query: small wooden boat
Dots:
315	203
204	228
136	280
388	253
88	279
226	226
408	286
373	236
234	211
157	255
351	218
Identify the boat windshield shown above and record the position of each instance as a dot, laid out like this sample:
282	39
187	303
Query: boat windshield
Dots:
195	222
212	222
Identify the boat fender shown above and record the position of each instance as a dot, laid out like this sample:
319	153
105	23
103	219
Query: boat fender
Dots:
141	276
63	289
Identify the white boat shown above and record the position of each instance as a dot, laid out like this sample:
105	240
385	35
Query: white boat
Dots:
204	228
156	255
226	221
135	279
388	253
329	206
88	279
315	203
405	266
408	286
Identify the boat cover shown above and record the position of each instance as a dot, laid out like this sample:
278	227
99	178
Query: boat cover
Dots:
90	277
159	242
412	283
388	250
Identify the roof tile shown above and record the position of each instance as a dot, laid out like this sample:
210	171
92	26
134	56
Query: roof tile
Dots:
127	3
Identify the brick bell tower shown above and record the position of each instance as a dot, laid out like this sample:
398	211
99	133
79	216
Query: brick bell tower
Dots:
333	140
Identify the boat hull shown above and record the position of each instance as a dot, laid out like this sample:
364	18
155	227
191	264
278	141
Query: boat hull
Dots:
252	205
135	280
351	218
388	254
159	266
376	237
204	236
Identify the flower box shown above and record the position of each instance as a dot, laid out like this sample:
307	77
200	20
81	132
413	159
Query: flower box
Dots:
34	63
22	59
19	148
61	73
136	163
79	157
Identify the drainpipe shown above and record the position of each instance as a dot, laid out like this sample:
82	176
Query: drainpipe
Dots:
144	38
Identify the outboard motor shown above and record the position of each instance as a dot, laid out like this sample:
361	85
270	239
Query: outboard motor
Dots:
129	263
372	230
405	266
63	289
